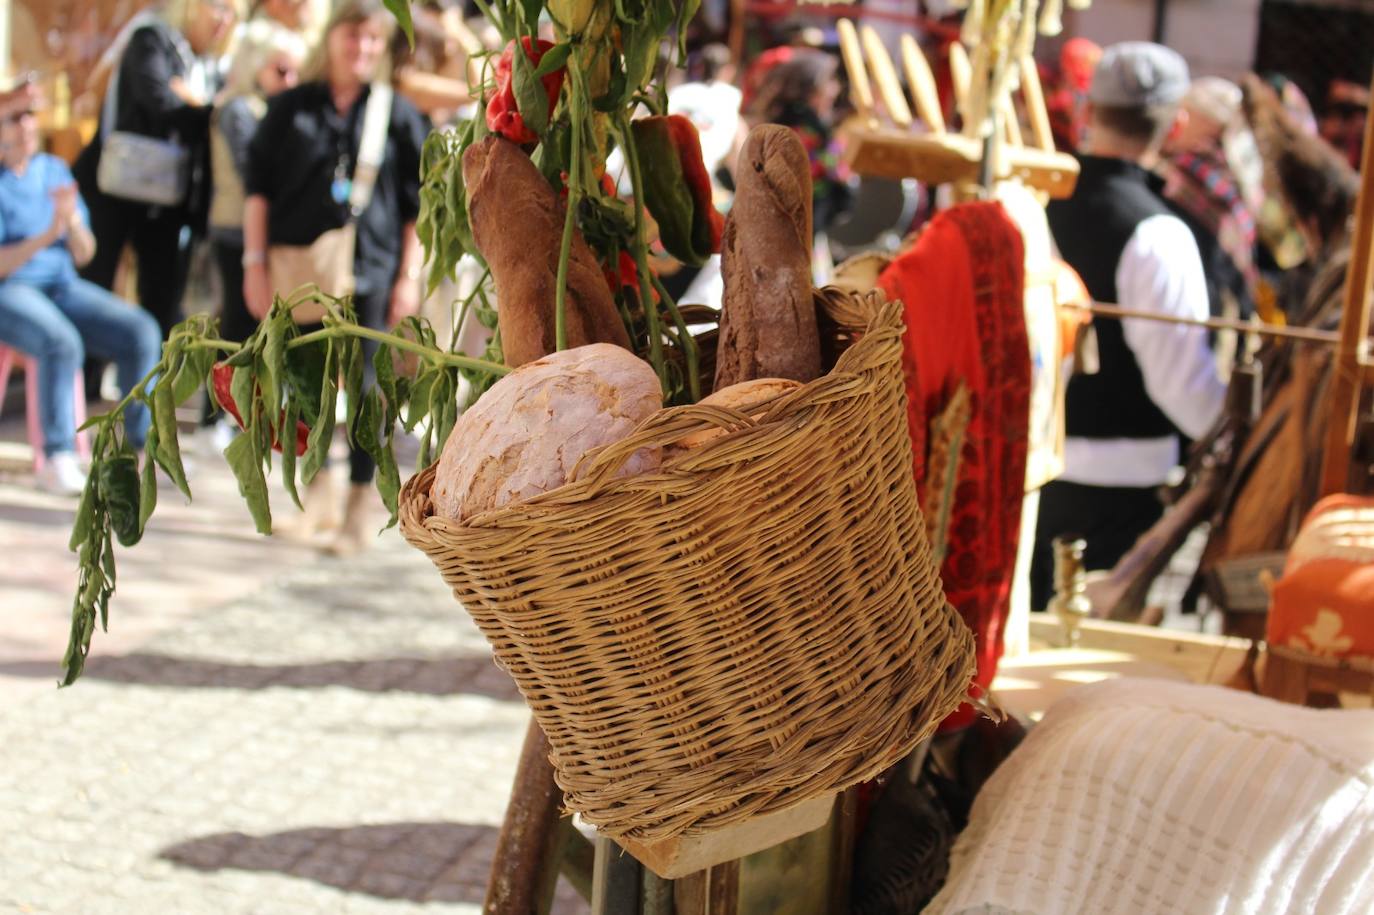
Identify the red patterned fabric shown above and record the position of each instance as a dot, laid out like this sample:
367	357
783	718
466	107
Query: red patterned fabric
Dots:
963	289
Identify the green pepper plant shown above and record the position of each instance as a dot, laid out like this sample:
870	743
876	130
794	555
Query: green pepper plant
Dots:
566	102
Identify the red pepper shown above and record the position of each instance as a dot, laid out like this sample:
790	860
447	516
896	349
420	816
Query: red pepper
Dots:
677	187
223	379
503	114
625	274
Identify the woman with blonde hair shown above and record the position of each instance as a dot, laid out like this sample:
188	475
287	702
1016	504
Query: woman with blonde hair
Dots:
161	89
267	60
302	165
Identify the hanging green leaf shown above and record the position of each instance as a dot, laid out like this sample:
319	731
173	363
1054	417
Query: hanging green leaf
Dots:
385	371
272	368
85	516
117	478
288	454
168	453
554	59
322	431
246	463
687	10
147	492
242	389
401	10
191	374
531	98
418	407
353	383
305	375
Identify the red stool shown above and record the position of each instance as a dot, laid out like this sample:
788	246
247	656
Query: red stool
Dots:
32	416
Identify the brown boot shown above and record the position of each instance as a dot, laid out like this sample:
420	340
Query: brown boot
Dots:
321	515
361	522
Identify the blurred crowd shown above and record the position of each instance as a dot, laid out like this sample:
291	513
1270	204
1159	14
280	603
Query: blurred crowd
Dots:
267	108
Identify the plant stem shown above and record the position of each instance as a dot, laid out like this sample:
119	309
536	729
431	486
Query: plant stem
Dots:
570	216
686	341
494	19
396	342
228	346
646	296
457	327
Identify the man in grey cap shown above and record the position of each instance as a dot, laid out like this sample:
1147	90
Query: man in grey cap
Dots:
1155	380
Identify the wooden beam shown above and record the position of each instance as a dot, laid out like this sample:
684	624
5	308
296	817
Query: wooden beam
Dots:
1344	399
860	92
578	858
615	880
1201	657
922	84
525	868
1034	95
885	75
961	74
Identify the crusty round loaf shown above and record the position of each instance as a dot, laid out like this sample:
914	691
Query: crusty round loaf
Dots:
527	433
739	397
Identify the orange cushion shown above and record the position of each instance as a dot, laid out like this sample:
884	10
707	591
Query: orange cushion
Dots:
1324	604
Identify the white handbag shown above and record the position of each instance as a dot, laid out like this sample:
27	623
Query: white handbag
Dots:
137	167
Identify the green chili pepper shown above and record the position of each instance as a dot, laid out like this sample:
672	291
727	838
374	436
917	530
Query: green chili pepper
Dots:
119	487
677	188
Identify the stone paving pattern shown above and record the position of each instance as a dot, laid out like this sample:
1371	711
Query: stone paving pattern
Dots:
333	739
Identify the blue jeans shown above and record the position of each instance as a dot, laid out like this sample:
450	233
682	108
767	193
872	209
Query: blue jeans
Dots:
58	325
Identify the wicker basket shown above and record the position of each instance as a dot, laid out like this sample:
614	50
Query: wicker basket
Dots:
755	625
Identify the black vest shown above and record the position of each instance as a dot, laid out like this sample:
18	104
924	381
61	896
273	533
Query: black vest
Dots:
1092	229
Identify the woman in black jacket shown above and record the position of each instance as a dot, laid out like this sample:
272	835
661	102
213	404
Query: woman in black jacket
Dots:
301	164
163	87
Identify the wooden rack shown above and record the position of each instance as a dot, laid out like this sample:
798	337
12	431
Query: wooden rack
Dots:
894	148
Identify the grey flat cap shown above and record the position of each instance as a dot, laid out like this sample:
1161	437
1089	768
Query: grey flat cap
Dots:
1135	73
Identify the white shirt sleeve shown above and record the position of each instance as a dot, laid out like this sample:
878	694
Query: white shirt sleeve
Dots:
1161	270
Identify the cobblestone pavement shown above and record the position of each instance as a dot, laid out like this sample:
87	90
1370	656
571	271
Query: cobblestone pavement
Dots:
333	739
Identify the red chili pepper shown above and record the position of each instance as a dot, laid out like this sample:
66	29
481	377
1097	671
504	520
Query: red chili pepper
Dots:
624	274
677	187
503	114
223	379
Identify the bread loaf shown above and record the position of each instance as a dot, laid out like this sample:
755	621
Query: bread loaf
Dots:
517	224
768	325
740	397
528	432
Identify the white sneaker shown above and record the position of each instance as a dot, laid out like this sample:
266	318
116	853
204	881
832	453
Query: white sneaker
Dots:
62	475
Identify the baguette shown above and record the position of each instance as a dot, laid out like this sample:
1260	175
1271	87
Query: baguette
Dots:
768	324
517	224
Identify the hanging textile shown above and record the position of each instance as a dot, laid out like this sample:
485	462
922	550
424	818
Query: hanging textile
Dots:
962	284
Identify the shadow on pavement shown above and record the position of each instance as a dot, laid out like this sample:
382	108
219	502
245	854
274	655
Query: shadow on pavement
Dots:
417	862
473	675
32	514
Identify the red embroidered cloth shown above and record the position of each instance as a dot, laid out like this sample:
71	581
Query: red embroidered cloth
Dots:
963	288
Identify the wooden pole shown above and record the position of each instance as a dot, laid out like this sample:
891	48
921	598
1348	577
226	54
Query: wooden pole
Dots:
1308	334
860	92
1345	387
960	74
525	868
885	75
922	83
1034	95
736	40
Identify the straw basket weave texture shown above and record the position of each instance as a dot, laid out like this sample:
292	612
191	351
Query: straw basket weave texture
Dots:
757	624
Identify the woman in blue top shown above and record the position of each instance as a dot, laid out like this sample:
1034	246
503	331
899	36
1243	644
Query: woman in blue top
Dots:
46	310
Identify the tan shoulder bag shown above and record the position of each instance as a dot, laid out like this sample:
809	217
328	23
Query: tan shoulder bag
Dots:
327	262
